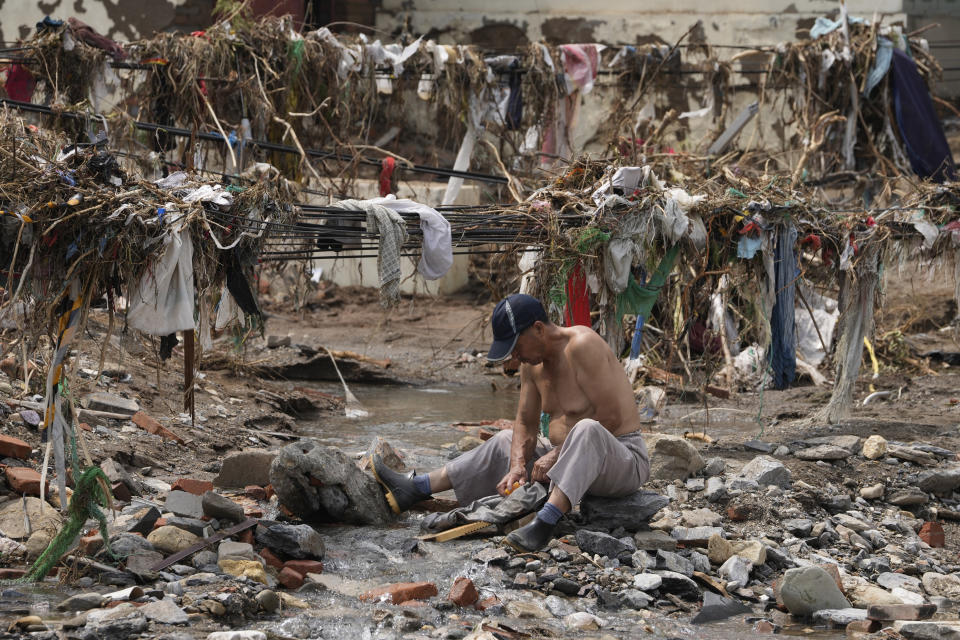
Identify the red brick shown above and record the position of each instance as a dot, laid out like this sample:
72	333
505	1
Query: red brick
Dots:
486	603
932	534
412	603
85	427
402	591
256	492
24	480
290	578
12	574
271	559
485	434
463	593
11	447
245	536
150	425
90	544
161	522
303	567
741	512
192	485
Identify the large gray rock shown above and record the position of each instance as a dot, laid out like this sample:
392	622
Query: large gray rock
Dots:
938	584
244	468
632	512
669	561
765	471
653	540
672	457
939	481
321	484
184	504
110	402
12	520
805	590
679	584
294	540
595	542
164	611
940	630
221	507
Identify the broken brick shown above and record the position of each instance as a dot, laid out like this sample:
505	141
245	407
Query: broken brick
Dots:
11	447
485	434
463	593
402	591
412	603
90	544
303	567
150	425
245	536
192	485
932	534
863	626
12	574
255	491
271	559
901	611
290	578
486	603
85	427
24	480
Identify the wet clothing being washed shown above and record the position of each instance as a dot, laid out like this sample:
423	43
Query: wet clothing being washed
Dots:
591	461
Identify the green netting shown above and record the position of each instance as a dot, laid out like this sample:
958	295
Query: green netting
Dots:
637	300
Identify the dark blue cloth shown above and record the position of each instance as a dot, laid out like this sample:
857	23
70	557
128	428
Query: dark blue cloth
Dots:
515	101
783	342
919	125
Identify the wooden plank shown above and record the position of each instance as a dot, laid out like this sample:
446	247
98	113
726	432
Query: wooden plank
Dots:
217	537
456	532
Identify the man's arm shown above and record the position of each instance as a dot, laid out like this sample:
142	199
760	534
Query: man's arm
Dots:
525	430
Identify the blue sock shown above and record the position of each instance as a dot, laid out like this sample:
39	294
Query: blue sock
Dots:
422	483
550	514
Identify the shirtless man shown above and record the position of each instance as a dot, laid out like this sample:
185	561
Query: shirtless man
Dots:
594	446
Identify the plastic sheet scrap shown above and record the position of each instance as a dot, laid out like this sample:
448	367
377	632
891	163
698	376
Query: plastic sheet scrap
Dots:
162	302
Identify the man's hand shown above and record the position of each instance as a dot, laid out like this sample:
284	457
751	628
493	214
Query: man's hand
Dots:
514	476
544	464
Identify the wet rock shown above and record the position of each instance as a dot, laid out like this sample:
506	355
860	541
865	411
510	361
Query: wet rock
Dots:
947	586
714	467
695	536
294	540
839	617
674	562
595	542
245	634
823	452
635	599
647	581
901	612
268	600
716	607
928	630
120	622
939	481
583	621
908	498
164	611
608	599
672	457
221	507
169	539
244	468
679	585
654	540
805	590
800	527
495	556
715	490
566	586
321	484
184	504
764	471
736	571
81	602
632	512
700	518
524	609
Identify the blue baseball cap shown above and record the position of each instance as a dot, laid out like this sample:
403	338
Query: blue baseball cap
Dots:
511	317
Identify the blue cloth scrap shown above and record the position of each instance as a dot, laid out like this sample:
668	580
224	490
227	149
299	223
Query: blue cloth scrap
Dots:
783	341
748	246
823	25
880	66
919	125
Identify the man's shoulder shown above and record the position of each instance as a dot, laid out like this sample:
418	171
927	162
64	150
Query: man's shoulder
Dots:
584	341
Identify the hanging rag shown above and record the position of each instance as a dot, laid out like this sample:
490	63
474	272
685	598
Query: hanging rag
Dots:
161	302
922	132
386	176
515	101
436	256
393	234
577	310
580	64
20	83
881	65
783	343
639	299
237	284
85	33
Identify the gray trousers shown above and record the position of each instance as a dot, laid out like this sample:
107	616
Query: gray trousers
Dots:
591	460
